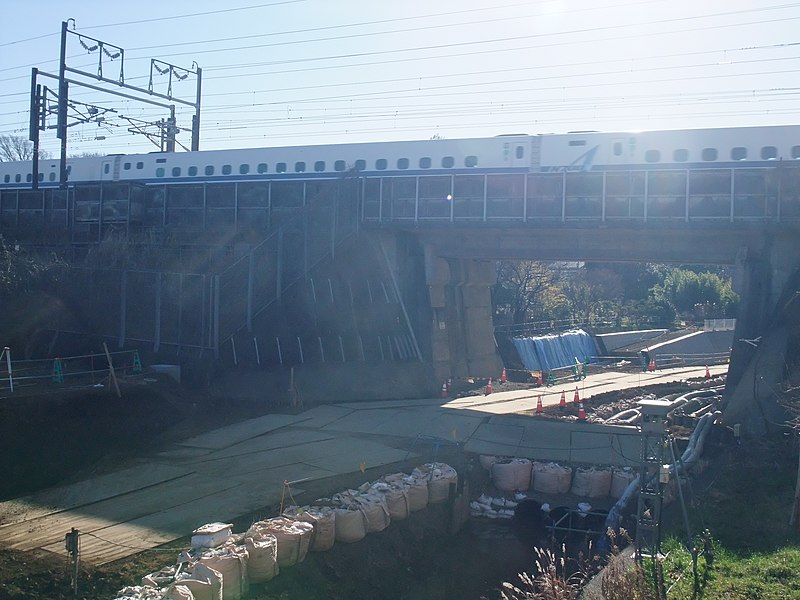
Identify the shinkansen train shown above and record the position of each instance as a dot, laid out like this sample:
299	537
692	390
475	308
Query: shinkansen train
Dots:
576	151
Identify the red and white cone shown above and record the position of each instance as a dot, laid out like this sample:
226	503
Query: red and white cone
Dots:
444	390
581	412
539	407
562	404
449	384
708	373
503	376
488	388
652	365
576	398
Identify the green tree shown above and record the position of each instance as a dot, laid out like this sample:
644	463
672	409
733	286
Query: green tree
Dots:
520	290
699	294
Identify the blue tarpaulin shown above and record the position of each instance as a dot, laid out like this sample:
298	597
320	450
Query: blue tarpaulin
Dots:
548	352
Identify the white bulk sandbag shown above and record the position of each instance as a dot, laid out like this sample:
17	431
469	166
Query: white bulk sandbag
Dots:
376	514
416	490
487	461
203	581
439	477
551	478
350	525
620	479
262	564
161	578
178	592
294	538
323	518
396	498
232	565
512	475
591	482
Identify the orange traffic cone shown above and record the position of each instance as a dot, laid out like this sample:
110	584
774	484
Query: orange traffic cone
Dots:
581	412
562	404
539	407
708	373
503	376
576	398
652	365
444	390
488	388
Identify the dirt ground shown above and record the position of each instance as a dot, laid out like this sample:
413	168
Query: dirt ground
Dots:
69	435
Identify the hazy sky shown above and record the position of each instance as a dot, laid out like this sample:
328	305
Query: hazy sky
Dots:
293	72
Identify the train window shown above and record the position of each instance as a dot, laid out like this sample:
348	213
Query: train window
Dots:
7	179
52	176
402	163
319	166
29	178
617	148
226	169
161	160
520	151
160	172
709	154
381	164
244	169
339	165
281	167
209	170
299	167
140	165
262	167
192	171
680	155
471	161
738	153
425	162
126	166
17	178
106	168
576	143
41	176
769	153
361	164
448	162
795	151
176	171
652	156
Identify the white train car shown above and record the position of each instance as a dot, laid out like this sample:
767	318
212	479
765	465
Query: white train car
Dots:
501	153
686	148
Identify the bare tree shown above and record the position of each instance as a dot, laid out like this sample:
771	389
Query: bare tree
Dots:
16	147
522	285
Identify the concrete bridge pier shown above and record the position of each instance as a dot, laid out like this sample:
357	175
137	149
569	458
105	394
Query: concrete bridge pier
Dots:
462	336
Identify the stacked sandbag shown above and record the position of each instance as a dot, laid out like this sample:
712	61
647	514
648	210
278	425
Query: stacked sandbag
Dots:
512	474
230	562
323	518
161	578
262	564
620	480
493	507
439	477
204	582
416	489
211	535
294	538
591	482
138	592
551	478
394	496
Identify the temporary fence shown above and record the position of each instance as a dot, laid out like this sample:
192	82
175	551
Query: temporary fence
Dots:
85	368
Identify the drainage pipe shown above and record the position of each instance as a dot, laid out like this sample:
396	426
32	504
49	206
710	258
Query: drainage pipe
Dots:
693	451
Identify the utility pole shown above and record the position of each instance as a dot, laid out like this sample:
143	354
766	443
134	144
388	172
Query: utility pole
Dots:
72	545
63	93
